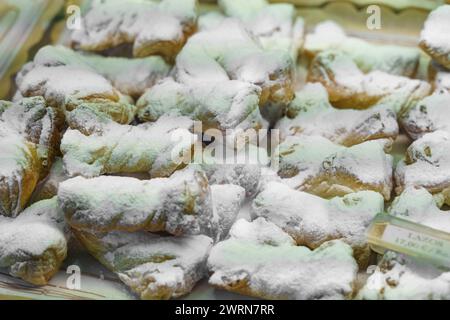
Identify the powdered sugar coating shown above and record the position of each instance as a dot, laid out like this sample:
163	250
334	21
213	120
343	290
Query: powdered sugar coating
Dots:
130	76
33	245
419	206
29	136
151	27
349	87
392	59
179	205
227	200
260	260
401	278
211	56
435	39
154	267
426	164
428	115
275	25
310	113
241	167
317	165
222	105
158	149
311	220
66	87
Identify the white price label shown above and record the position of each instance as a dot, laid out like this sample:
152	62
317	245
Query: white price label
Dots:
423	245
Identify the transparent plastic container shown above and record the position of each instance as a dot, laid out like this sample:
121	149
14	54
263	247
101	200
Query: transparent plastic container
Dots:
22	25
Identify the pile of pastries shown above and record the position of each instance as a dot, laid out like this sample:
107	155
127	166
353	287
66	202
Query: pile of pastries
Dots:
88	152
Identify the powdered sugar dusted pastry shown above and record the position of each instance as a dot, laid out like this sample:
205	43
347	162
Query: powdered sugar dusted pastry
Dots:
241	167
66	87
275	25
439	76
397	60
223	105
435	39
33	245
151	27
153	266
426	164
34	120
311	220
230	52
29	138
349	87
159	148
227	200
317	165
261	260
179	205
48	188
310	113
399	277
419	206
428	115
130	76
19	171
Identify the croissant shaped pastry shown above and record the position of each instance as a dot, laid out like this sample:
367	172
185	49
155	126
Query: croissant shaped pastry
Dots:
427	165
98	145
33	245
29	140
310	113
419	206
349	87
156	27
399	277
318	166
276	25
223	105
178	205
65	87
428	115
152	266
229	52
311	220
392	59
434	38
261	260
129	76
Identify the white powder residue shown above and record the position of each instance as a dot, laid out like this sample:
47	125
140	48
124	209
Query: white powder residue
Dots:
315	164
401	278
427	163
392	59
180	204
428	115
419	206
130	76
311	220
261	260
128	149
227	200
310	113
154	267
151	27
25	240
435	38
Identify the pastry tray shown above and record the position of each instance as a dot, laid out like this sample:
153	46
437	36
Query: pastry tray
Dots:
401	24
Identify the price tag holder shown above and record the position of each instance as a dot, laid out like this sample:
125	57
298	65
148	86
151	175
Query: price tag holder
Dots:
391	233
